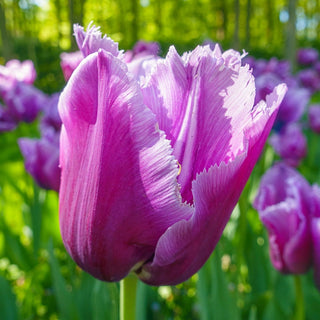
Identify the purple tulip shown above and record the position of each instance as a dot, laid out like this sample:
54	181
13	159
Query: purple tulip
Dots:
151	173
142	49
293	105
310	79
24	102
51	117
69	62
265	84
6	121
279	68
314	117
13	72
307	56
283	202
42	159
290	144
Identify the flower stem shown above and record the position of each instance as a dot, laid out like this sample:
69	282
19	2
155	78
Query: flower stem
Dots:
128	290
299	313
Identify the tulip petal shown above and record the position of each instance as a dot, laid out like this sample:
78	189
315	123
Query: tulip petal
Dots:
185	246
118	190
92	40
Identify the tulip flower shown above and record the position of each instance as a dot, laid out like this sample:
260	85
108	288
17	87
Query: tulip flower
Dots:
69	61
6	121
283	202
51	118
310	79
307	56
314	117
42	159
290	144
290	209
24	102
151	171
16	71
142	48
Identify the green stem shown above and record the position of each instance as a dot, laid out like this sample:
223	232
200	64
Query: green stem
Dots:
299	313
128	290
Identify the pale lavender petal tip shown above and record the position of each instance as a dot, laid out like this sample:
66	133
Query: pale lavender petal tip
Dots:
91	41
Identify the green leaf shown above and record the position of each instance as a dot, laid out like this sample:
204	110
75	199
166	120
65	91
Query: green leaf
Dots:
216	300
8	305
64	297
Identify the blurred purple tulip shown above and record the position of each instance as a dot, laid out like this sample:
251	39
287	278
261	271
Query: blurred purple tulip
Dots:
142	49
290	209
6	121
290	144
69	62
42	159
24	102
314	117
307	56
293	105
16	71
283	203
51	117
310	79
125	206
279	68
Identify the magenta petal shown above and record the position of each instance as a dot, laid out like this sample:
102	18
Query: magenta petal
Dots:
111	140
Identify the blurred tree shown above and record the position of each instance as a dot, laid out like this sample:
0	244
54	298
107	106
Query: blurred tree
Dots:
76	13
291	32
135	6
236	39
5	34
248	28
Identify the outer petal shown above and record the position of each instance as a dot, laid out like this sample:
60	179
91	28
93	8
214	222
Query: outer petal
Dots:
118	192
185	246
203	102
